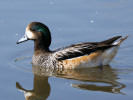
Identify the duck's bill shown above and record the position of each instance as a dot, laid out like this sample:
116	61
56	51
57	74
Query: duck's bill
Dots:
23	39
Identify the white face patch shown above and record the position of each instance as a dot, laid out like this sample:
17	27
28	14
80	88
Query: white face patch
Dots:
29	34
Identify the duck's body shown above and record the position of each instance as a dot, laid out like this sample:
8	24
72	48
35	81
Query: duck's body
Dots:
89	54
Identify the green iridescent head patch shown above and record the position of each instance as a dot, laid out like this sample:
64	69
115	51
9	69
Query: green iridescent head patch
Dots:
39	27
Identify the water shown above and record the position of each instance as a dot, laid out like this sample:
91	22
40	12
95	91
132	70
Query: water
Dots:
70	21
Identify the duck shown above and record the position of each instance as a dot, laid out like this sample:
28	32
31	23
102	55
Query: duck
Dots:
81	55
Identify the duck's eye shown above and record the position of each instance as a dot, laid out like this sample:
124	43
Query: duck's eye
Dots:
34	29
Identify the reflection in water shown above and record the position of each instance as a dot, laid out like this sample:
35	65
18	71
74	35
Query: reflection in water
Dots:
95	79
41	89
92	79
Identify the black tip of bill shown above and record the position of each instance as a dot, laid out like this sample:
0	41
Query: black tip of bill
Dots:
17	42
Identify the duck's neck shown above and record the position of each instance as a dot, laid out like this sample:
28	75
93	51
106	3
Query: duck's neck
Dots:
41	45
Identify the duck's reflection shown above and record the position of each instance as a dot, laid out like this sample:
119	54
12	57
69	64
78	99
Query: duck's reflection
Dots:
41	89
92	79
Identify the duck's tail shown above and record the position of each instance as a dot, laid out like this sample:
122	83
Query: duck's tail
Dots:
120	41
111	40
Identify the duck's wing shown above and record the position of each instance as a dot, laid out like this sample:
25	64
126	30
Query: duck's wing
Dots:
77	50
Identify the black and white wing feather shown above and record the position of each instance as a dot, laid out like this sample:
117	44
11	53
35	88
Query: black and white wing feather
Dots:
77	50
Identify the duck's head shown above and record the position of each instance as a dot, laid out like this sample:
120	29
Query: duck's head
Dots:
38	32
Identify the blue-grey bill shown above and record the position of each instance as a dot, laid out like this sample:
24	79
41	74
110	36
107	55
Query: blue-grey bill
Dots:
23	39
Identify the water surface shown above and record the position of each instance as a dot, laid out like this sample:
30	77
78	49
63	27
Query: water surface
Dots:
70	21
